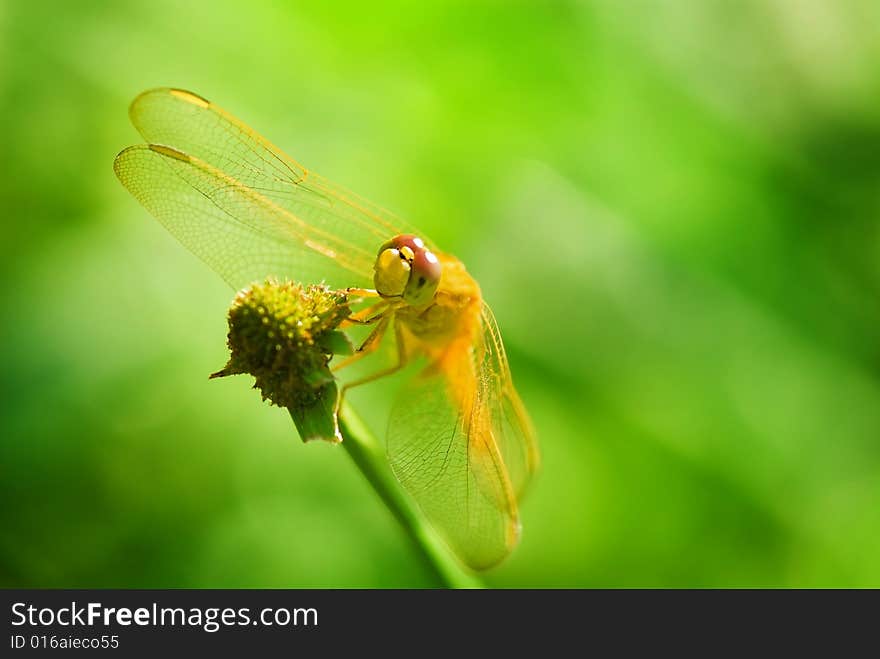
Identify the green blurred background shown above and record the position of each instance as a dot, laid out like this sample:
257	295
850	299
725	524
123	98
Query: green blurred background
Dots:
672	207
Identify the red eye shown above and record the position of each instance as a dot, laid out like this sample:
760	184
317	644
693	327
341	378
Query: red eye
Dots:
425	268
407	268
404	240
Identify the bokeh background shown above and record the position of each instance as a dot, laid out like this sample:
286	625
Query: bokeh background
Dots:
672	207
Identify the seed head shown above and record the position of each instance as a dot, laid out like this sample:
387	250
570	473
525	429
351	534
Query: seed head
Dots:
284	334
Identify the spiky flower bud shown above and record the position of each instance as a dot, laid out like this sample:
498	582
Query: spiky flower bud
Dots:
284	334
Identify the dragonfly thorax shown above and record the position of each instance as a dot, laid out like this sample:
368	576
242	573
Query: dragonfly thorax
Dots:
406	268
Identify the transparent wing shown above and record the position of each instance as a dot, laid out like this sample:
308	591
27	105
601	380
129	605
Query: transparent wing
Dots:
459	441
240	203
510	422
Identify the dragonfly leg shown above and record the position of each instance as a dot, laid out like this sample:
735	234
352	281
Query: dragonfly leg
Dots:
370	344
366	316
401	362
362	292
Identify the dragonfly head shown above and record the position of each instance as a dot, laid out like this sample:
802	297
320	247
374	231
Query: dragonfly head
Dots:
406	268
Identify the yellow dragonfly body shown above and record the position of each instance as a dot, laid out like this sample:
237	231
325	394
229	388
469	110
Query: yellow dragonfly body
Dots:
459	439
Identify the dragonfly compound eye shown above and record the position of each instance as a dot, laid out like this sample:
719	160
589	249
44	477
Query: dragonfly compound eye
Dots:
424	278
406	268
391	272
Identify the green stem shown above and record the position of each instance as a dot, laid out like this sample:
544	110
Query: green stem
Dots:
370	459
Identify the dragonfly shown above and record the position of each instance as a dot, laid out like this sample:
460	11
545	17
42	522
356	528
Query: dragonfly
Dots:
459	439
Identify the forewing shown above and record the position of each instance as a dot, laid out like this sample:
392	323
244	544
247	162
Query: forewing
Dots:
240	203
237	232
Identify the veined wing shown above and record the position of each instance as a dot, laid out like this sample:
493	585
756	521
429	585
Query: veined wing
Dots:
460	442
511	425
240	203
